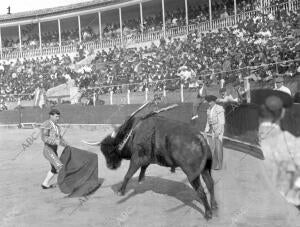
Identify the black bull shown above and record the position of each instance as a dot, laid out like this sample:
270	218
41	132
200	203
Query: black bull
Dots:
158	140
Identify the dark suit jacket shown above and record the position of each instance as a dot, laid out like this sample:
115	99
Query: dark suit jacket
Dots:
202	93
199	108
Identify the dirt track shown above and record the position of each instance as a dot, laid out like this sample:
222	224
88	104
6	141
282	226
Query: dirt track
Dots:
163	199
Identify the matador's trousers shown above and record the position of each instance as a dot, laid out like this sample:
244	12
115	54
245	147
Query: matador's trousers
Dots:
216	145
50	153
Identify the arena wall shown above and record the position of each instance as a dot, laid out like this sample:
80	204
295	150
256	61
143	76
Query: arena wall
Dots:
78	114
90	116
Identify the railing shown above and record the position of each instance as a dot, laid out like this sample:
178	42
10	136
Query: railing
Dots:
150	36
221	23
204	26
176	31
294	5
272	9
13	53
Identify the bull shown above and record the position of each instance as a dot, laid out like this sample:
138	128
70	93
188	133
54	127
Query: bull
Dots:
154	139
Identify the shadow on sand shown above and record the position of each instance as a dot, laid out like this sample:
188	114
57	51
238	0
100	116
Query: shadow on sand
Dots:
175	189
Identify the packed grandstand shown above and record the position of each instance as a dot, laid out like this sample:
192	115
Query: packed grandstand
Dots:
250	39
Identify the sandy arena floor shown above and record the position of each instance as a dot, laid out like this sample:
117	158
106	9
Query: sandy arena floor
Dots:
163	199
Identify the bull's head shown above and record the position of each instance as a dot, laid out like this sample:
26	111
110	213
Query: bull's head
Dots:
110	151
112	144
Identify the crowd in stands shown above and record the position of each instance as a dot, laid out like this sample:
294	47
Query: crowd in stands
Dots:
257	42
174	18
23	77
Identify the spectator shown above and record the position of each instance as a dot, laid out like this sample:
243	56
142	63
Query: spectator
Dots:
225	97
279	81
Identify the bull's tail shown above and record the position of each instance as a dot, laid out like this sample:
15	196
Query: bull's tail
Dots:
208	165
206	162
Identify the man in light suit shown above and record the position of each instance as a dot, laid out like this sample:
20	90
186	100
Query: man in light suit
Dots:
215	126
52	138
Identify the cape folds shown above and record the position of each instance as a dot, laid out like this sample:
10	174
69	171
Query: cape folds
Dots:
79	175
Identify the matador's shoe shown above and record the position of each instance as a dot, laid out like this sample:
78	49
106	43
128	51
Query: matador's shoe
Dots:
48	187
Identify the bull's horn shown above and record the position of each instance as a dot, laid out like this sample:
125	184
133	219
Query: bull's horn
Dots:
113	134
139	109
91	143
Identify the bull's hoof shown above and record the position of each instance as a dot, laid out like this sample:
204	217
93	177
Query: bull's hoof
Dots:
141	180
214	207
120	193
208	215
215	210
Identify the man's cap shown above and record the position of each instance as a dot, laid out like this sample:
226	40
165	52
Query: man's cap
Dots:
54	111
273	99
210	98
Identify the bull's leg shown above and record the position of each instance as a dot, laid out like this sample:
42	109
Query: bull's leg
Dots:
210	186
142	173
201	193
133	167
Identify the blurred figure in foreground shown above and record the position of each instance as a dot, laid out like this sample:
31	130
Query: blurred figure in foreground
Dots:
280	148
